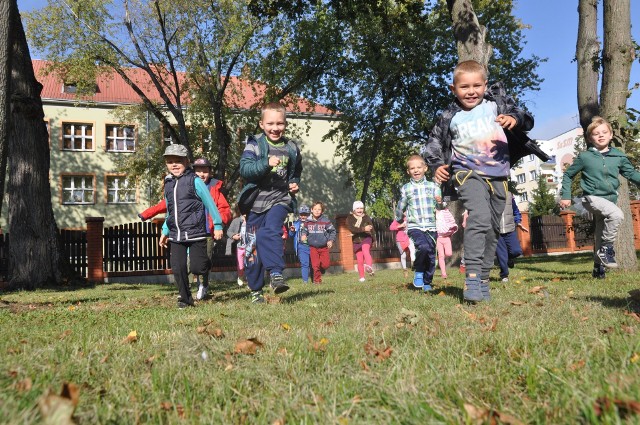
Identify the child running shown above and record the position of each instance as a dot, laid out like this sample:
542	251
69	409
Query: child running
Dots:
320	234
445	226
301	248
363	235
600	165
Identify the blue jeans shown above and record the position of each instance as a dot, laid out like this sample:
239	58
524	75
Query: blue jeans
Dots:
269	249
425	243
305	261
508	248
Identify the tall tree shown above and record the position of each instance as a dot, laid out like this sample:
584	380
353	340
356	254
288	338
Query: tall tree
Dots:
543	201
613	65
35	254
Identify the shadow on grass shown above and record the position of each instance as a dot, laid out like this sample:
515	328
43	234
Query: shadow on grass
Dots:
450	291
309	293
622	303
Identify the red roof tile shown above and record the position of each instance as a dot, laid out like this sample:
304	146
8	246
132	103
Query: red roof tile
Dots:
113	89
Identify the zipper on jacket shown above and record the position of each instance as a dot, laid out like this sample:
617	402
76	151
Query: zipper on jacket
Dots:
175	208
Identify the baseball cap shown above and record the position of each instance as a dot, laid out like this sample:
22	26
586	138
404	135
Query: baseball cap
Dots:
176	150
304	209
202	162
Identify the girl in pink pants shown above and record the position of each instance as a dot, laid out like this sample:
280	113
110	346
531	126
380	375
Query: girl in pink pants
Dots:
445	226
363	234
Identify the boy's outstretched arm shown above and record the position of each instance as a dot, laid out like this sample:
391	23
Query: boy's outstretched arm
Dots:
203	192
567	177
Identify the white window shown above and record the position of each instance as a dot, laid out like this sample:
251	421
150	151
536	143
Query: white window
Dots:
531	157
167	138
77	189
521	178
121	138
77	137
524	196
534	175
120	190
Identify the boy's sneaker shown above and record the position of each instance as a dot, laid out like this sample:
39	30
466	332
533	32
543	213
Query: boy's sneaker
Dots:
278	284
484	289
505	279
183	304
606	257
418	279
240	281
257	297
599	271
510	263
203	290
369	269
426	287
472	290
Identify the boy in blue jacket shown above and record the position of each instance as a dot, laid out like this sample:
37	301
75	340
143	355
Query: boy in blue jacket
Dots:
270	166
301	248
186	197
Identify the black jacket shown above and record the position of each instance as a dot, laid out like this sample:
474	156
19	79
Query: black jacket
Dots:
185	210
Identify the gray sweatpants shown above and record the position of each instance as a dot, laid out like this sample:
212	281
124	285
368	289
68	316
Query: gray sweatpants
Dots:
484	198
607	217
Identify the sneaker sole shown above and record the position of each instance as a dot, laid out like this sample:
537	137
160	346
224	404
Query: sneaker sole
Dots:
280	289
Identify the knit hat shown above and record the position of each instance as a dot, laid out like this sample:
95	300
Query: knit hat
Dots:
176	150
357	204
202	162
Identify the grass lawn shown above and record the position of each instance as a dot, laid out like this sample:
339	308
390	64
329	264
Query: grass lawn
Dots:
342	352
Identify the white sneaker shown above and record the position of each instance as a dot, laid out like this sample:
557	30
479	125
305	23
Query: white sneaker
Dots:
505	280
362	279
240	281
202	292
369	269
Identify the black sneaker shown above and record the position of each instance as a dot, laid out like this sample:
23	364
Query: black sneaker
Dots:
278	284
257	297
599	271
510	263
182	305
606	256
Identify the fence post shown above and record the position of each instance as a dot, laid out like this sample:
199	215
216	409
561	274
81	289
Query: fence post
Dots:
95	227
346	243
635	222
567	217
525	237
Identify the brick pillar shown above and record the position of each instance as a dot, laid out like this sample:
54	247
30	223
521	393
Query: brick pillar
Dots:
95	227
346	243
567	217
635	222
525	237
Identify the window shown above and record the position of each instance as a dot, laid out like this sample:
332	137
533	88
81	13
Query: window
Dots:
166	136
120	190
521	178
531	157
77	189
524	196
70	88
77	136
534	175
121	138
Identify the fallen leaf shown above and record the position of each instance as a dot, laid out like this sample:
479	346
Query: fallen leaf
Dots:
285	326
272	300
132	337
481	415
319	345
577	365
408	317
149	360
607	330
493	326
379	353
24	385
279	421
556	279
364	366
248	346
210	329
166	405
517	302
624	407
536	289
58	409
634	358
628	329
633	315
65	334
441	293
104	359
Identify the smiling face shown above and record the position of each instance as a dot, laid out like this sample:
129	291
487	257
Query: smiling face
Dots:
273	123
416	168
176	165
601	137
316	211
358	211
469	88
203	172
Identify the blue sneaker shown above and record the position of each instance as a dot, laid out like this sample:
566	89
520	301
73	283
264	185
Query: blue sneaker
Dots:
472	290
418	281
427	288
278	284
484	289
607	257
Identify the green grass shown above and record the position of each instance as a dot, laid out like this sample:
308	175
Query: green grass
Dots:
541	357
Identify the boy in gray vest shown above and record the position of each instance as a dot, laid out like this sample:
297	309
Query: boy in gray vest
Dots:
186	197
271	166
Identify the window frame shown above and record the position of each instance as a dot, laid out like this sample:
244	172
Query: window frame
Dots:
524	178
71	175
108	135
106	189
74	123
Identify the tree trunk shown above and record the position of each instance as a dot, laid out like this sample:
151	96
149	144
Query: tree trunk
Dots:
5	75
618	55
587	56
469	34
35	258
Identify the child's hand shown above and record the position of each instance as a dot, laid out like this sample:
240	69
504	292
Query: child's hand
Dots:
329	244
236	237
442	173
164	241
565	203
274	161
438	199
303	238
368	228
506	121
217	234
524	229
293	187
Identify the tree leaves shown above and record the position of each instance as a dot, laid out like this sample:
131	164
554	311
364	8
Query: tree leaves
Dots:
58	409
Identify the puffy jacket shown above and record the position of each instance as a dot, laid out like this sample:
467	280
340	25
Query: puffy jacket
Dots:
599	173
438	149
358	233
510	216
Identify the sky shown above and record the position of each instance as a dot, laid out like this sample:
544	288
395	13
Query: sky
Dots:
553	34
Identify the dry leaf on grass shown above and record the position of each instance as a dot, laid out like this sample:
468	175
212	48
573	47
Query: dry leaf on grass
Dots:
132	337
634	358
481	415
210	329
104	359
279	421
624	407
65	334
380	353
319	345
577	365
58	409
24	385
633	315
270	299
518	303
285	326
247	346
628	329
